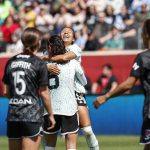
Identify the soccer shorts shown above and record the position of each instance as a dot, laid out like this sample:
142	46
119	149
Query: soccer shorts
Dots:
145	132
80	99
67	124
17	130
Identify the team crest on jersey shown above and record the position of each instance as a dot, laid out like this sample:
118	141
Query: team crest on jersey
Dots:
135	66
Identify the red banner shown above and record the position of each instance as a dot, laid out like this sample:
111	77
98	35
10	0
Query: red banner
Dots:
92	64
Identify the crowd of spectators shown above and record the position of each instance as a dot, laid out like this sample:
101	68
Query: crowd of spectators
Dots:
98	24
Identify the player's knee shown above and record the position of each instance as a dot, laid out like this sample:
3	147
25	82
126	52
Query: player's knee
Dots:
87	130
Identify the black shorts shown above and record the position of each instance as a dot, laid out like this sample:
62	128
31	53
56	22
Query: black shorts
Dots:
17	130
67	124
80	99
145	132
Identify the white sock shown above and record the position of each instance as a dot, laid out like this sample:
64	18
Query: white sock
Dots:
49	148
71	149
90	138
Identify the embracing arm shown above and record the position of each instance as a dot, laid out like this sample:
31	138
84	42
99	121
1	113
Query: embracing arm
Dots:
65	57
119	90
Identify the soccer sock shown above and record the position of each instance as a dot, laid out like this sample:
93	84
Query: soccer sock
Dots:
71	149
90	138
49	148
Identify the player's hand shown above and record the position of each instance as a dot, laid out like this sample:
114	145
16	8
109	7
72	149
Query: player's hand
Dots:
52	68
99	101
51	122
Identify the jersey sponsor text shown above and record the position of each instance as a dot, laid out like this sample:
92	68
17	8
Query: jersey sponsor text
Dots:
16	101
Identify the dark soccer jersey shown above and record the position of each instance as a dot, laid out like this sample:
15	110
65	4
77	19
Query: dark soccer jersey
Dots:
141	69
24	74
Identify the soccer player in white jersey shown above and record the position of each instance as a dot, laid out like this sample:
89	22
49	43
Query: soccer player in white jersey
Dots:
64	102
74	52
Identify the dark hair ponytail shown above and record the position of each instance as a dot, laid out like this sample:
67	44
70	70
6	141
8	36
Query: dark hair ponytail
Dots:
146	32
30	39
57	45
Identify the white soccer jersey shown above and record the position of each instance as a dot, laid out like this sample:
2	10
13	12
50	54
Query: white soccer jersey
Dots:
77	50
62	88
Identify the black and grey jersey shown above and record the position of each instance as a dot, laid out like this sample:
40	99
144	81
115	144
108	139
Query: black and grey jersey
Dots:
141	70
24	74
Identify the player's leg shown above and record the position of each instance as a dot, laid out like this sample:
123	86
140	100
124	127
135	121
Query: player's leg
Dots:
71	141
32	143
14	136
69	128
87	129
85	124
145	133
31	137
50	141
14	144
51	135
147	147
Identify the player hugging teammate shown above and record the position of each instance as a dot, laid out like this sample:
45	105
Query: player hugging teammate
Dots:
74	52
64	103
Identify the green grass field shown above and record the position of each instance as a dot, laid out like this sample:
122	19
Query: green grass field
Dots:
106	143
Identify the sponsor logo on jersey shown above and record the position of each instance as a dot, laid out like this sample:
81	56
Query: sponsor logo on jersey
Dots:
16	101
135	66
147	134
21	64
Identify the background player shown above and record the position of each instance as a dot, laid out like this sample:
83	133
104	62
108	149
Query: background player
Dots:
26	77
140	70
63	98
74	52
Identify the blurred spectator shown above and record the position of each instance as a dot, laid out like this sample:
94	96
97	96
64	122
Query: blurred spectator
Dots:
78	18
4	9
107	80
44	20
143	14
14	15
36	6
8	28
91	16
116	5
81	38
17	4
16	45
45	37
114	40
2	43
130	33
62	19
136	5
30	15
101	29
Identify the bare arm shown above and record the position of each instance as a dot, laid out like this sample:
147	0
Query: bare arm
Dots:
65	57
7	91
43	92
120	89
94	88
